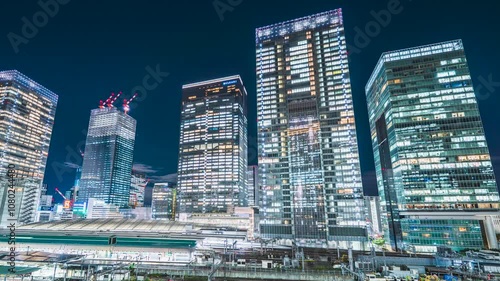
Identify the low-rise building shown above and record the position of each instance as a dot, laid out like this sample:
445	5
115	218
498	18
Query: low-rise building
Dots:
98	209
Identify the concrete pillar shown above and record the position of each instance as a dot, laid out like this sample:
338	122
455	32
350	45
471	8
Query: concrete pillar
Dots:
490	232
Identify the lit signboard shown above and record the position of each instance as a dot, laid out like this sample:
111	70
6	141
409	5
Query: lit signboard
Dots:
67	204
230	82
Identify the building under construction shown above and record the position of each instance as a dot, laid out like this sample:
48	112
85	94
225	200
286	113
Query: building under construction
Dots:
109	150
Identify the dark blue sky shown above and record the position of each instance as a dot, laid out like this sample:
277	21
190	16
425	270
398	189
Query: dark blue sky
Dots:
90	48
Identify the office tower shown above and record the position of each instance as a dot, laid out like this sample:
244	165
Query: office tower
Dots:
164	204
434	172
213	146
372	204
309	169
45	202
80	209
137	189
107	162
148	196
27	111
45	206
252	185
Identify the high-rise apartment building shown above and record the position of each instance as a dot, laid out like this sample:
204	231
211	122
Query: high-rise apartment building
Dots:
107	162
434	172
213	146
309	167
27	111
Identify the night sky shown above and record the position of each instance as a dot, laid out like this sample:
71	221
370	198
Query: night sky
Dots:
89	48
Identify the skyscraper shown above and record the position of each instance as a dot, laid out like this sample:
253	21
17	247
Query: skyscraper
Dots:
164	203
308	153
107	162
138	183
213	146
434	172
27	111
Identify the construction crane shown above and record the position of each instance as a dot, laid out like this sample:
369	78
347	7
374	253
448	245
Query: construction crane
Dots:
147	181
110	100
102	104
60	193
113	100
66	200
126	103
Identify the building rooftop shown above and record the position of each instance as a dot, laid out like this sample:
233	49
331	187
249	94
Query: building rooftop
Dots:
129	233
213	81
124	226
297	25
413	52
112	225
25	81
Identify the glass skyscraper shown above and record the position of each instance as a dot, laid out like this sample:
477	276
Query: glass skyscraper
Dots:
434	172
213	146
27	111
164	202
309	168
108	158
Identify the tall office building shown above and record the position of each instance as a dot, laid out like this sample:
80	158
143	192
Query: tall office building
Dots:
434	172
309	168
213	146
138	185
27	111
164	204
107	162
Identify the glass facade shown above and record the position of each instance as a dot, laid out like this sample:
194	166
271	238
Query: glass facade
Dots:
138	185
309	172
213	146
107	162
430	150
27	112
164	204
